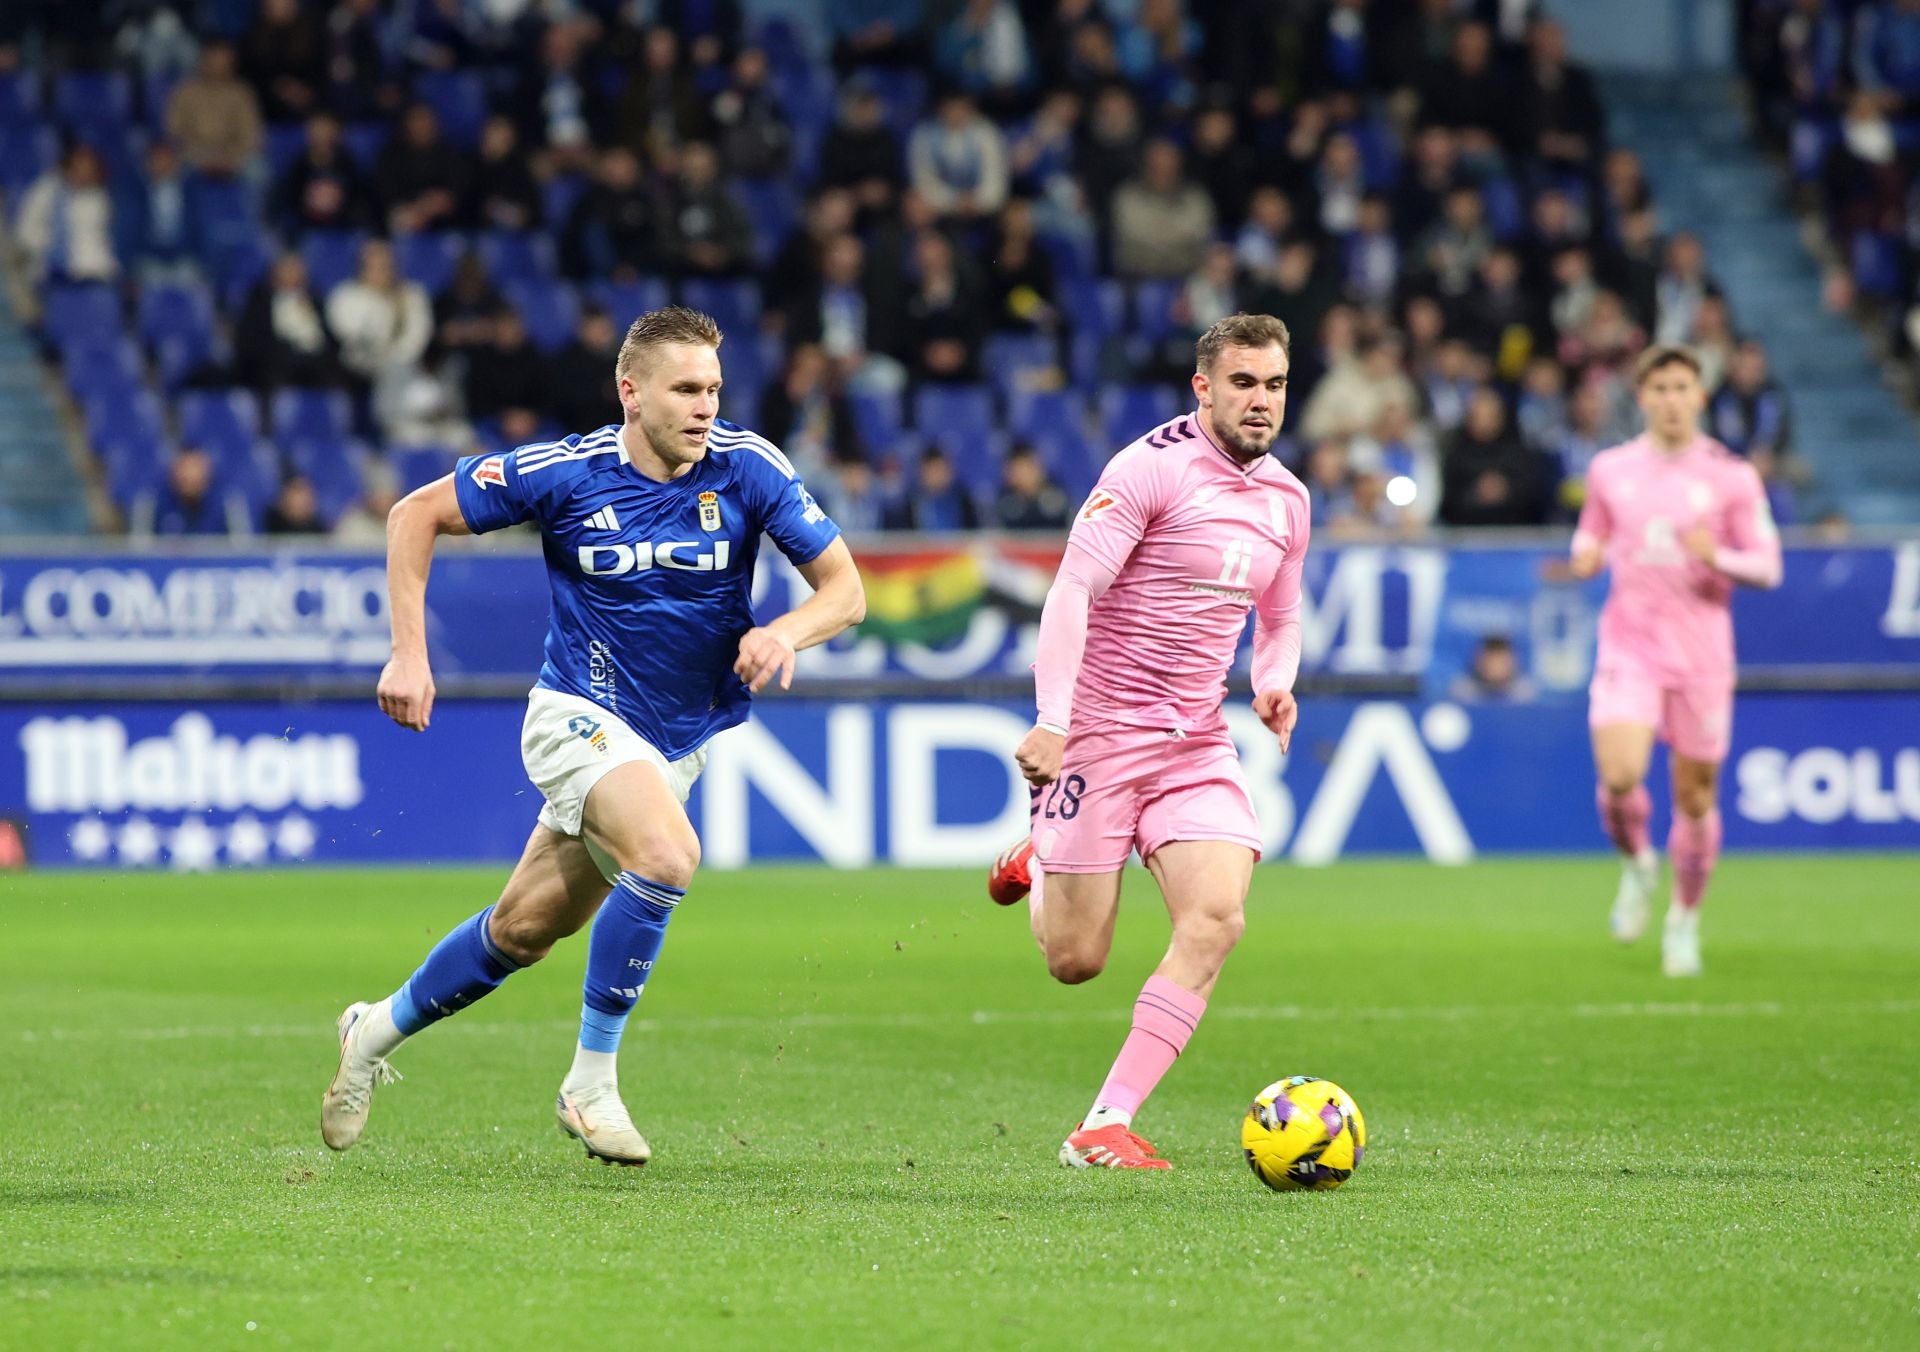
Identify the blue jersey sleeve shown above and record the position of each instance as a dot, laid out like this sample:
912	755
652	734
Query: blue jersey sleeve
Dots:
490	493
798	524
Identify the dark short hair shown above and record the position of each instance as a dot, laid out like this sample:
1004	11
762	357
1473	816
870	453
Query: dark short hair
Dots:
1240	330
659	328
1659	357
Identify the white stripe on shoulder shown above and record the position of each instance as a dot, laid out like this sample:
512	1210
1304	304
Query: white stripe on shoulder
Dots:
530	458
729	439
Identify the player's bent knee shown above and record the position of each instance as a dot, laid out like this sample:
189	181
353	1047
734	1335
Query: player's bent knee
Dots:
1071	967
523	934
1212	932
668	861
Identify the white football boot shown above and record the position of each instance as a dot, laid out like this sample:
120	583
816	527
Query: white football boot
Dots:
343	1109
1634	901
1680	944
595	1116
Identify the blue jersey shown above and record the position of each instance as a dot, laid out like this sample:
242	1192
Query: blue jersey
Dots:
650	581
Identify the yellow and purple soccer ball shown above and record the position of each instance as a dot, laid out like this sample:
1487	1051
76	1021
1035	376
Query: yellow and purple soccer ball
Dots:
1303	1133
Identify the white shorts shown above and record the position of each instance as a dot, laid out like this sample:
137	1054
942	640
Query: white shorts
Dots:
568	743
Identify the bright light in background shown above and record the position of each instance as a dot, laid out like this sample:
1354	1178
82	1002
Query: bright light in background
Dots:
1401	491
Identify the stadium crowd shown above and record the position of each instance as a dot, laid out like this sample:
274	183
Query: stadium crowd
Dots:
294	256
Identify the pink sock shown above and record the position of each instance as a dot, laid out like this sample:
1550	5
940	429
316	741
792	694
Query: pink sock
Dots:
1624	817
1164	1017
1694	845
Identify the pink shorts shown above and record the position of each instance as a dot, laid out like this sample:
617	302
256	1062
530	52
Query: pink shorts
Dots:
1696	720
1123	789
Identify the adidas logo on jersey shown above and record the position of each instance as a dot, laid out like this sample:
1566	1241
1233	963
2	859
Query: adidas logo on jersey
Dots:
604	519
685	555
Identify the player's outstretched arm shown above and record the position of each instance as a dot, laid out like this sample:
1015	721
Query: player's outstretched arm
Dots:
839	602
416	521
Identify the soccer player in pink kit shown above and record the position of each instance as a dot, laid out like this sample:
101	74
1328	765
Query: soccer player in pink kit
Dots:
1188	528
1679	519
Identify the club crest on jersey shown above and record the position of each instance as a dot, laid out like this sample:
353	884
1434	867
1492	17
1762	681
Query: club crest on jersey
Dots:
709	511
1098	503
492	470
588	730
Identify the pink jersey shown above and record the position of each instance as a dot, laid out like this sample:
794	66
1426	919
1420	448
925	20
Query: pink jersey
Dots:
1667	613
1175	544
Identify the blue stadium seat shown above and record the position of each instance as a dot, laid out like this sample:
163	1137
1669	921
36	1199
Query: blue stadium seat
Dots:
516	256
135	464
459	99
1153	309
1877	263
734	303
550	310
178	357
429	257
1129	412
114	419
771	210
1037	414
333	464
877	419
1071	459
417	465
365	141
297	415
904	92
108	369
26	152
82	313
19	98
225	422
1506	213
627	301
333	256
173	310
93	102
156	88
285	142
1019	361
559	196
1075	257
955	418
236	265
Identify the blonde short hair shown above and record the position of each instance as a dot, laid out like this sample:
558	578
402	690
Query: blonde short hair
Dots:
1240	330
659	328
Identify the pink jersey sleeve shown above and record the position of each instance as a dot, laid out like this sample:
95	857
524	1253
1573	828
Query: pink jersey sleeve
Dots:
1596	520
1752	554
1276	615
1114	517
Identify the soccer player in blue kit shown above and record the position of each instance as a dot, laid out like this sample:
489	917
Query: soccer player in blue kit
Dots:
650	529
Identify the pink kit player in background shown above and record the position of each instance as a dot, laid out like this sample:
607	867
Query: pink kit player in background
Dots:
1189	528
1678	520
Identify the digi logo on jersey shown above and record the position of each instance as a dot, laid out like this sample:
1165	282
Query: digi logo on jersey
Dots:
684	555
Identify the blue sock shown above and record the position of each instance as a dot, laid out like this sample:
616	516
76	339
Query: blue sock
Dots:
462	967
626	939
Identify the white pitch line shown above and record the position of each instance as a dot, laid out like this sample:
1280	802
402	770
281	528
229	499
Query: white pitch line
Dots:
1653	1009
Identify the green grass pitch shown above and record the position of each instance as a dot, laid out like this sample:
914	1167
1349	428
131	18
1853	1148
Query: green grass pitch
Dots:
855	1084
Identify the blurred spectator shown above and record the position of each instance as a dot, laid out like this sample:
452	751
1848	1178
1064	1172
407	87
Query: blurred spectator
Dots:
1499	316
463	314
383	324
1493	676
1712	341
862	154
1020	276
1338	187
1161	222
284	57
1267	228
1749	413
1467	95
799	266
983	50
423	179
294	510
853	497
1400	454
853	327
937	503
156	221
1624	186
1492	478
1449	381
614	229
749	124
1028	499
1109	148
1325	475
282	338
1434	173
1373	256
1454	247
505	195
214	117
1609	340
1632	271
582	393
1553	225
364	524
1356	388
557	100
706	232
507	375
1299	289
1683	283
661	107
1573	291
1555	103
1155	51
1586	435
189	502
1886	52
361	80
876	32
66	221
1222	163
1541	413
807	417
945	318
957	161
323	189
